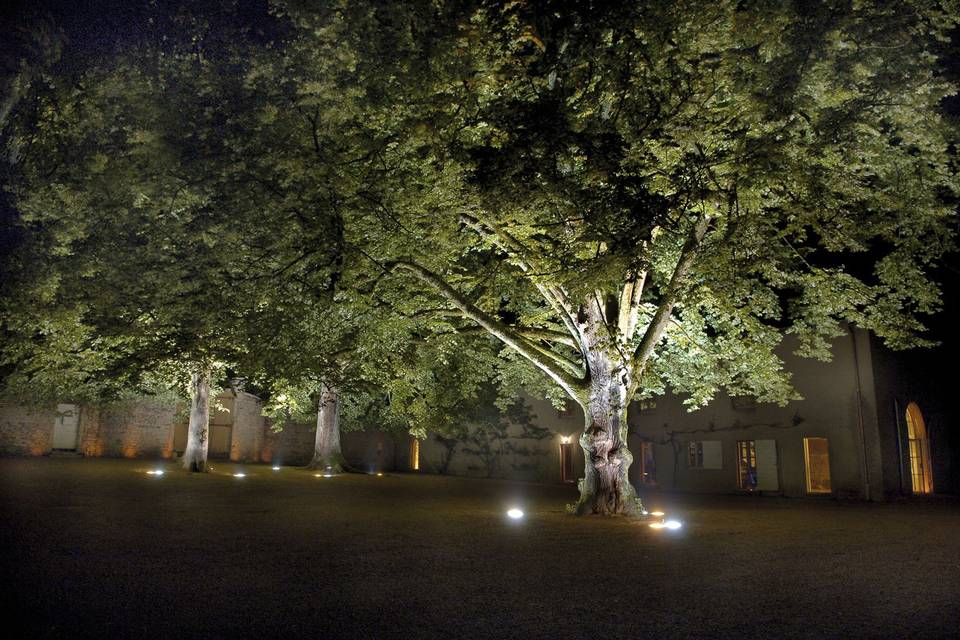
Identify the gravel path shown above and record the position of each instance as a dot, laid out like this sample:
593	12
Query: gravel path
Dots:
100	548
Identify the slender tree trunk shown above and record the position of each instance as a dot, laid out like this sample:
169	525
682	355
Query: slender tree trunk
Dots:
198	441
327	454
605	488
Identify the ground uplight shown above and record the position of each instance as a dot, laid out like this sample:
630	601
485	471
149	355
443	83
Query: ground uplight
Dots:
155	472
514	514
239	475
276	468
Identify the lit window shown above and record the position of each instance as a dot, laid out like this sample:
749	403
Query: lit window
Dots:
921	474
816	455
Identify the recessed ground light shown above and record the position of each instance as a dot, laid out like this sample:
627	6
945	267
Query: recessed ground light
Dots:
379	474
157	472
239	475
514	514
657	525
657	514
672	524
276	468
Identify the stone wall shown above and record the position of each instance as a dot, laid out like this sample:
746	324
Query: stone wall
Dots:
140	428
26	431
248	426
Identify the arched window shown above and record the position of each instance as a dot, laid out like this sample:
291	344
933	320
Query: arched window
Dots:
921	475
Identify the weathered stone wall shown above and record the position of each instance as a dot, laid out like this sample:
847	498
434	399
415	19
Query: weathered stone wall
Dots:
369	451
248	428
136	428
26	431
292	445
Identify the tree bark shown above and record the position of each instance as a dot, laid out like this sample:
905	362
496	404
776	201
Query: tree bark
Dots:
605	488
327	454
198	441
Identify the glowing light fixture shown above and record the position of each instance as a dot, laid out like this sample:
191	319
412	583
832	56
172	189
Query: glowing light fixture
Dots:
672	524
514	514
239	475
379	474
657	525
323	475
157	472
657	514
564	439
277	468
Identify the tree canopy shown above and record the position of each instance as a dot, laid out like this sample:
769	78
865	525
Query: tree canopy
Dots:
628	197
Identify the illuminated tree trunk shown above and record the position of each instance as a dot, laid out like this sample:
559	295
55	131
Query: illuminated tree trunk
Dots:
327	454
195	456
605	488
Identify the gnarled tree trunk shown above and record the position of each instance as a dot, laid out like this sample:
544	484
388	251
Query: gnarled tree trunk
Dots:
326	450
605	488
198	441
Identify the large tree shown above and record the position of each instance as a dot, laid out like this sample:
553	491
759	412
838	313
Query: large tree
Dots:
631	196
134	251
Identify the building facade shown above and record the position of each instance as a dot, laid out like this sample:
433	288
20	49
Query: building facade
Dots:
871	425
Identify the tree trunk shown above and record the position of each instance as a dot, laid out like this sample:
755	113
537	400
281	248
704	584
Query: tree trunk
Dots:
195	456
605	488
326	450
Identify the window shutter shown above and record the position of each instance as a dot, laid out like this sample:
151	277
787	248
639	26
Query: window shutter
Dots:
712	454
767	477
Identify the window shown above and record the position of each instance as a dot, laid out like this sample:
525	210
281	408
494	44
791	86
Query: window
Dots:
921	474
704	454
747	464
816	456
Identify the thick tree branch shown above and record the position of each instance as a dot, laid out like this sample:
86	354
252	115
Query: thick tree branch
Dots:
670	296
549	363
521	255
629	305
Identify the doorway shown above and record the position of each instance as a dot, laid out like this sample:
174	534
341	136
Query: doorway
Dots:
921	473
66	427
816	456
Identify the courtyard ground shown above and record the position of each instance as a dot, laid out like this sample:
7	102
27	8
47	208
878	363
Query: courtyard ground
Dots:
100	548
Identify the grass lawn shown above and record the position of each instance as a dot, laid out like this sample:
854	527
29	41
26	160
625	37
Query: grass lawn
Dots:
99	548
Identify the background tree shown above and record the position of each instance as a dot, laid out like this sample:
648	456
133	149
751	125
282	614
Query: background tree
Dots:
122	195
